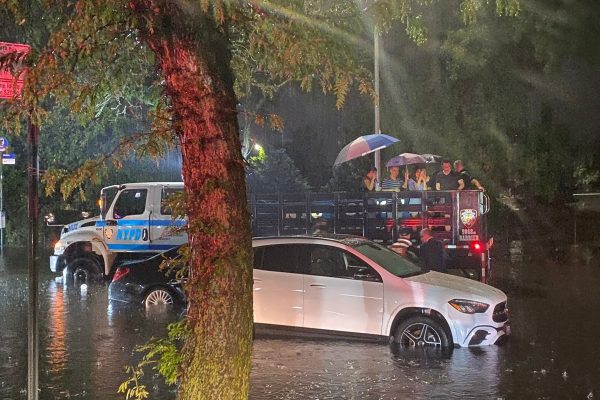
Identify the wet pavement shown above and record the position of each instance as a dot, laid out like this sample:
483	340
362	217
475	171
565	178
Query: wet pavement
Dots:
85	342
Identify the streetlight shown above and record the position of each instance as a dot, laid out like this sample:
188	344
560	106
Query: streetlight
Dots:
376	77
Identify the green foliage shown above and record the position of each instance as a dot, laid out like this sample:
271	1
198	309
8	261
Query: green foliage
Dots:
490	93
348	178
162	355
132	388
275	173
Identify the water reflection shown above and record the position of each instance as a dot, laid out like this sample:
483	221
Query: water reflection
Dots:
302	369
85	341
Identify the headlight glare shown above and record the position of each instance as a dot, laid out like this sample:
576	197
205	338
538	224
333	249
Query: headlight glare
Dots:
59	248
469	306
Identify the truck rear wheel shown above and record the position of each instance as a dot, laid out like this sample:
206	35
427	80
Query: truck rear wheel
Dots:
82	270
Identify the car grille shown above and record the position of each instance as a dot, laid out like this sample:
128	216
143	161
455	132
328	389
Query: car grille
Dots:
500	312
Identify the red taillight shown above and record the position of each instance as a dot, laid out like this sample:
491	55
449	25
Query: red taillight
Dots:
389	224
119	273
477	247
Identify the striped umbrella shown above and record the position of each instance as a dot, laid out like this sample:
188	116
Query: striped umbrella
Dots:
364	145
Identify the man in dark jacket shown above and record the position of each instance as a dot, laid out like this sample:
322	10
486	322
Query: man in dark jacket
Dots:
432	252
471	183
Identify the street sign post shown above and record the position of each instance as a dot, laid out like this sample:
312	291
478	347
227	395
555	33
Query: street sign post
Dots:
12	78
9	159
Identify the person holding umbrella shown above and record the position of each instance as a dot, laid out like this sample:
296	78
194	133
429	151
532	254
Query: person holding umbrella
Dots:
393	183
394	165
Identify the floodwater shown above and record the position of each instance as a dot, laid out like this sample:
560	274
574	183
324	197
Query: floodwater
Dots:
554	352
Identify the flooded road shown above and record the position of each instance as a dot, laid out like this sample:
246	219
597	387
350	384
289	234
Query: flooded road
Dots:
85	342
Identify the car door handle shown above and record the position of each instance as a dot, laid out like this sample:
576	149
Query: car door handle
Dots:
317	285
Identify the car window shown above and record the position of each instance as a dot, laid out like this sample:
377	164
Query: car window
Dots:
278	258
258	253
130	202
326	261
337	263
359	270
392	262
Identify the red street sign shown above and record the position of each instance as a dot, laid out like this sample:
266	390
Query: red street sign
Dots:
9	87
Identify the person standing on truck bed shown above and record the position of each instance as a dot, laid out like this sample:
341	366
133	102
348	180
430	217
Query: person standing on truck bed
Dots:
419	182
432	252
370	180
393	183
447	179
471	183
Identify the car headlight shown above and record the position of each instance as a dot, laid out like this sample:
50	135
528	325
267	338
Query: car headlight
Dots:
469	306
59	248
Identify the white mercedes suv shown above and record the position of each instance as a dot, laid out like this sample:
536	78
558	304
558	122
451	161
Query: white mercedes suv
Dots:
350	285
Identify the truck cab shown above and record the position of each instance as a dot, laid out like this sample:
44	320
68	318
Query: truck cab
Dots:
135	221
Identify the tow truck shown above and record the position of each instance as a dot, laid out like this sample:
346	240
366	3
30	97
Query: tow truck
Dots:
135	221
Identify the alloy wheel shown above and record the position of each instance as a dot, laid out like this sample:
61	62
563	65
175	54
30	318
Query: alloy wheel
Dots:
420	335
159	297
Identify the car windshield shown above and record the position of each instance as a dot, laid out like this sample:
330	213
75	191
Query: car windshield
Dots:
392	262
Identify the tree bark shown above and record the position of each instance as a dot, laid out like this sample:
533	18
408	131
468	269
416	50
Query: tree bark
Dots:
194	60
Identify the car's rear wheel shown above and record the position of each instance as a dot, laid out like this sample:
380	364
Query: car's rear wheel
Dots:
157	297
421	331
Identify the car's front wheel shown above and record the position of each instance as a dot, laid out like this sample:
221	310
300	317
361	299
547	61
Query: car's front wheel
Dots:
421	331
158	296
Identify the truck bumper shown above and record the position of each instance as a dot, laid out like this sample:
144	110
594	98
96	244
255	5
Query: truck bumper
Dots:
56	263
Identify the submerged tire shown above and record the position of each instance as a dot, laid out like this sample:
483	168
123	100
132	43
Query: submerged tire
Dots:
157	297
421	331
83	270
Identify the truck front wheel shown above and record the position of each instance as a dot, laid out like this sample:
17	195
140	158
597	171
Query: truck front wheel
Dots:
82	270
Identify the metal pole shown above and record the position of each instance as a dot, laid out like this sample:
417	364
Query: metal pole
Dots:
1	208
32	323
575	225
377	116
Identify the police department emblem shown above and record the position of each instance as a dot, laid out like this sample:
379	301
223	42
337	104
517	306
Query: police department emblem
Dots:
108	233
468	217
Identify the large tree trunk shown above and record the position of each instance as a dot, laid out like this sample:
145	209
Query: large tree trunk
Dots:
194	59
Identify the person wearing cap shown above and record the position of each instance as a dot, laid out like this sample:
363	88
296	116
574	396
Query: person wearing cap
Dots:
370	180
405	236
400	247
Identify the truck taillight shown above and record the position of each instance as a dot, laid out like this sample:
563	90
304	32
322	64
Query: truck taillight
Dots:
389	224
119	273
477	247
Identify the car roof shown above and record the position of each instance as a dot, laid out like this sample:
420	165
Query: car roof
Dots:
348	240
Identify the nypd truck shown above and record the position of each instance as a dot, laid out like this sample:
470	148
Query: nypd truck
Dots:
135	220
